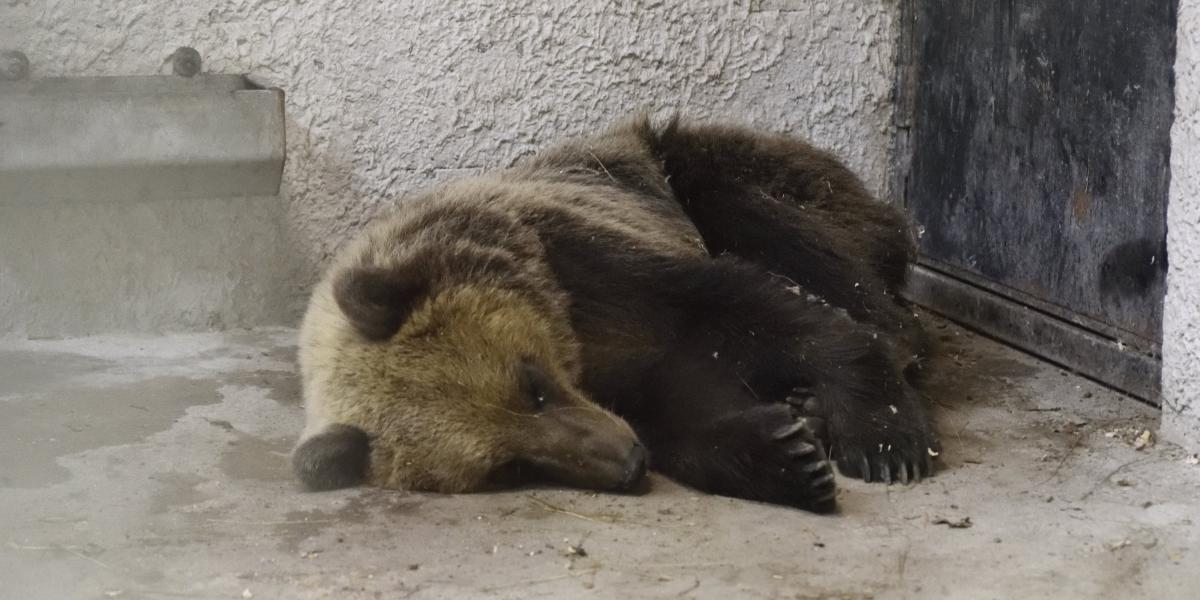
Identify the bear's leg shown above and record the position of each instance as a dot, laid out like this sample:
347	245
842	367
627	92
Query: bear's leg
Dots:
807	252
778	345
800	213
726	176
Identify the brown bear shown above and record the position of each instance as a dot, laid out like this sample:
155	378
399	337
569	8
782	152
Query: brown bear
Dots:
717	303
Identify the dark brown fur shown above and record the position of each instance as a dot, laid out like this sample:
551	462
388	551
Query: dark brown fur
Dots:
728	293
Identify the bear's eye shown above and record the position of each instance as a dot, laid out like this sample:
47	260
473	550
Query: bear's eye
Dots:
539	398
535	384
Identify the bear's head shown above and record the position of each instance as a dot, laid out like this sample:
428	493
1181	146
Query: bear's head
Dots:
458	388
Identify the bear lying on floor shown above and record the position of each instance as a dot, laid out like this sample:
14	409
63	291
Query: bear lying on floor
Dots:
715	302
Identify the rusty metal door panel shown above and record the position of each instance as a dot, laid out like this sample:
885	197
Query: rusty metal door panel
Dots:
1035	155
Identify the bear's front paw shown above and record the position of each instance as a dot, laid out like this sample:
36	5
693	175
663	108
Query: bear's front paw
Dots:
884	444
778	458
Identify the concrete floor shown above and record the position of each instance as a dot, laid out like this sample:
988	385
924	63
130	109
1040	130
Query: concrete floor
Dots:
157	468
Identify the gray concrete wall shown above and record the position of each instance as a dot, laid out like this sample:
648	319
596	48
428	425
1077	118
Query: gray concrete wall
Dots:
109	216
385	98
1181	316
80	268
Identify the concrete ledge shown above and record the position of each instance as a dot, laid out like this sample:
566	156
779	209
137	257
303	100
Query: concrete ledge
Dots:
157	137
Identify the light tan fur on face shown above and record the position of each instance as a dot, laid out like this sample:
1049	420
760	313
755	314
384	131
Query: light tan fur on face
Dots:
440	399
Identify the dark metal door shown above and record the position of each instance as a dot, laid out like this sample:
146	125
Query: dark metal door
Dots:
1034	150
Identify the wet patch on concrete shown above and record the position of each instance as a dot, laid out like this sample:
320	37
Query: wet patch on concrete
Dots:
44	427
282	386
386	502
220	424
25	372
298	526
175	490
239	347
282	353
248	457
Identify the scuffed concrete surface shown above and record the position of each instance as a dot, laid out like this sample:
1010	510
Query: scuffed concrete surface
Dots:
83	268
157	468
1181	309
384	98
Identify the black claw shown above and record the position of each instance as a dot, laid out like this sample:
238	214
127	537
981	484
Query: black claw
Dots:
816	466
826	479
790	430
811	406
805	401
815	425
903	474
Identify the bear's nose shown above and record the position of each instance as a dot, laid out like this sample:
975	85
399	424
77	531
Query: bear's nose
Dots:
635	468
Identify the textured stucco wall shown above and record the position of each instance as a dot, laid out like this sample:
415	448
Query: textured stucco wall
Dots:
387	97
1181	311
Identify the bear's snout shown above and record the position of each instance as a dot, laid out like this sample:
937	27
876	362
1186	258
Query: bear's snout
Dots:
635	468
587	447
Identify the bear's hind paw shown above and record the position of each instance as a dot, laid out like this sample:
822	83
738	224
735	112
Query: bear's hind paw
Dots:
890	464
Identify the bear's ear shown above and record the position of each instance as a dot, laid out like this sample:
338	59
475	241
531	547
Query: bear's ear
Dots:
378	300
